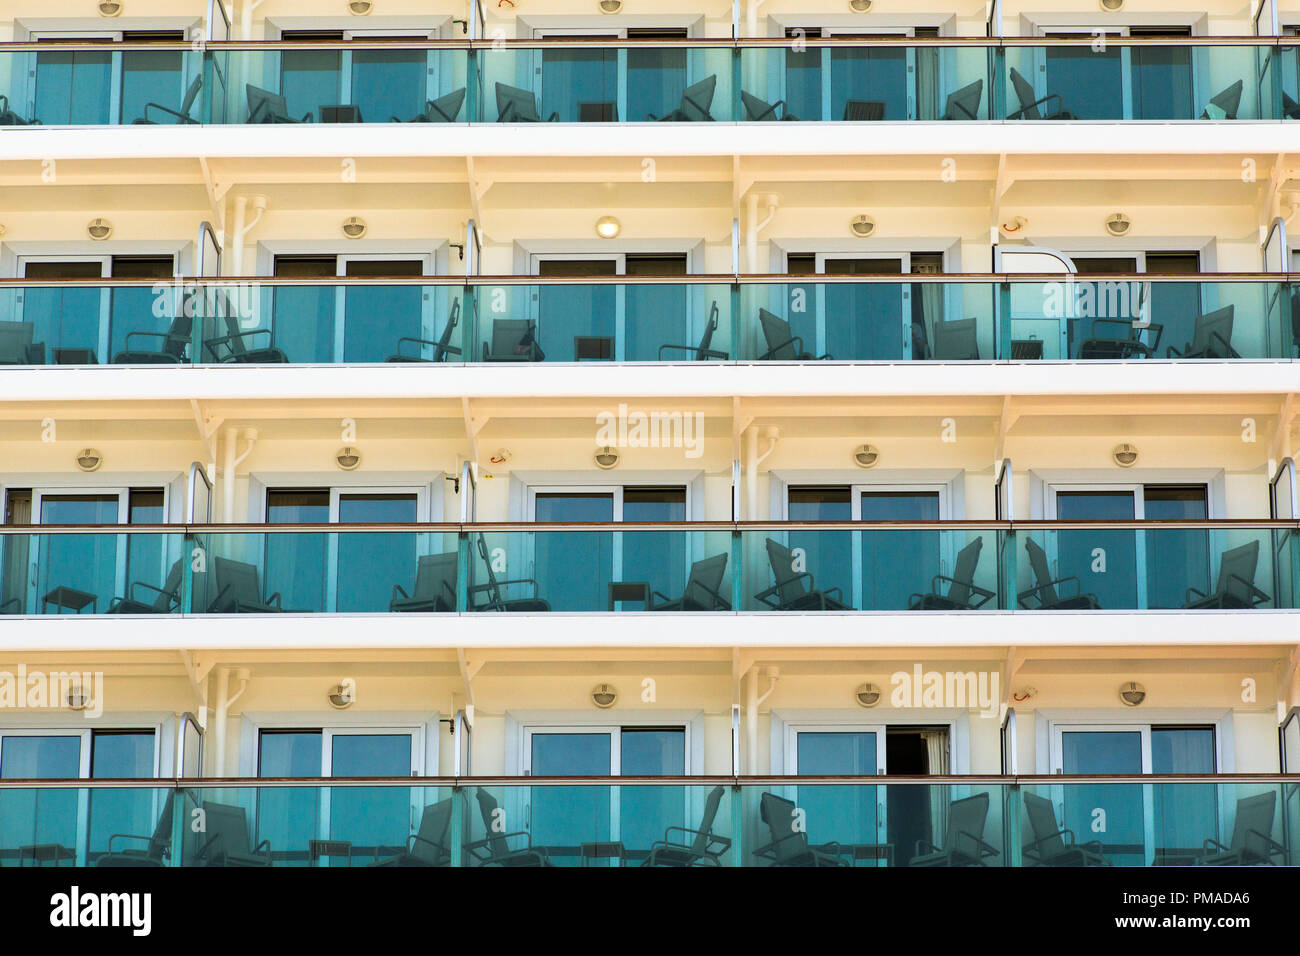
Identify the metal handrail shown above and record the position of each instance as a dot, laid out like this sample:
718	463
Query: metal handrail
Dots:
725	278
768	780
735	527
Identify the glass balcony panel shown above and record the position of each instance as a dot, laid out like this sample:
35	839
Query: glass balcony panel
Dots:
339	84
1144	82
91	573
320	572
578	570
887	82
609	84
625	322
1091	568
868	321
58	825
872	569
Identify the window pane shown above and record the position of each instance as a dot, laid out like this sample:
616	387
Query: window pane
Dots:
647	812
894	561
29	817
563	817
370	563
1102	752
289	816
1185	814
371	816
846	814
79	562
296	561
575	567
1076	557
121	755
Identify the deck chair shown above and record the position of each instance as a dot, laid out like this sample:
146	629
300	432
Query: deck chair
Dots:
1127	344
156	849
435	585
864	111
963	594
1052	845
9	117
1235	588
705	350
493	598
428	846
789	847
702	589
267	107
1211	338
441	348
1029	107
444	109
1043	595
963	843
182	115
955	340
964	104
238	346
782	345
1226	102
1290	108
166	599
227	842
495	849
17	347
514	340
171	349
11	606
239	591
694	107
1252	843
705	847
796	590
759	111
518	106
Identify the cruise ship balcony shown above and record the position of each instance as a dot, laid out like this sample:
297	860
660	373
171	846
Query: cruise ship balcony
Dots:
1190	566
672	821
599	80
675	320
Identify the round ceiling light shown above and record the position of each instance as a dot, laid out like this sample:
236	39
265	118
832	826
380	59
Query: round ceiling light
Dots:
607	227
866	456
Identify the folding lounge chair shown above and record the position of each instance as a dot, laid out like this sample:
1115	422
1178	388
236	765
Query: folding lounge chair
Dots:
16	346
864	111
758	111
694	107
441	348
181	116
156	850
782	345
493	599
227	842
1290	108
705	847
9	117
444	109
796	590
1029	107
166	599
1235	588
1252	843
267	107
702	589
239	591
237	346
435	585
11	606
171	350
1127	344
963	843
1043	596
956	340
1052	845
494	849
514	340
704	351
789	847
1226	102
518	106
964	104
963	594
428	846
1211	338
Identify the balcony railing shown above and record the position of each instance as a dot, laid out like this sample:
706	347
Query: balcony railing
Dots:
706	568
604	80
1158	820
679	320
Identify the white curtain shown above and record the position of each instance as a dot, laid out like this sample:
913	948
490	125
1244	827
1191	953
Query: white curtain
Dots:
936	746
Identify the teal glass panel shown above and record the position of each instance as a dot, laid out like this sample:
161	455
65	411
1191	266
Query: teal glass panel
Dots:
646	812
121	756
1109	813
32	817
562	817
289	817
74	87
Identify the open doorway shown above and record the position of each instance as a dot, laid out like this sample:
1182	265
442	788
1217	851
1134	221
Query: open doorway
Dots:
914	809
